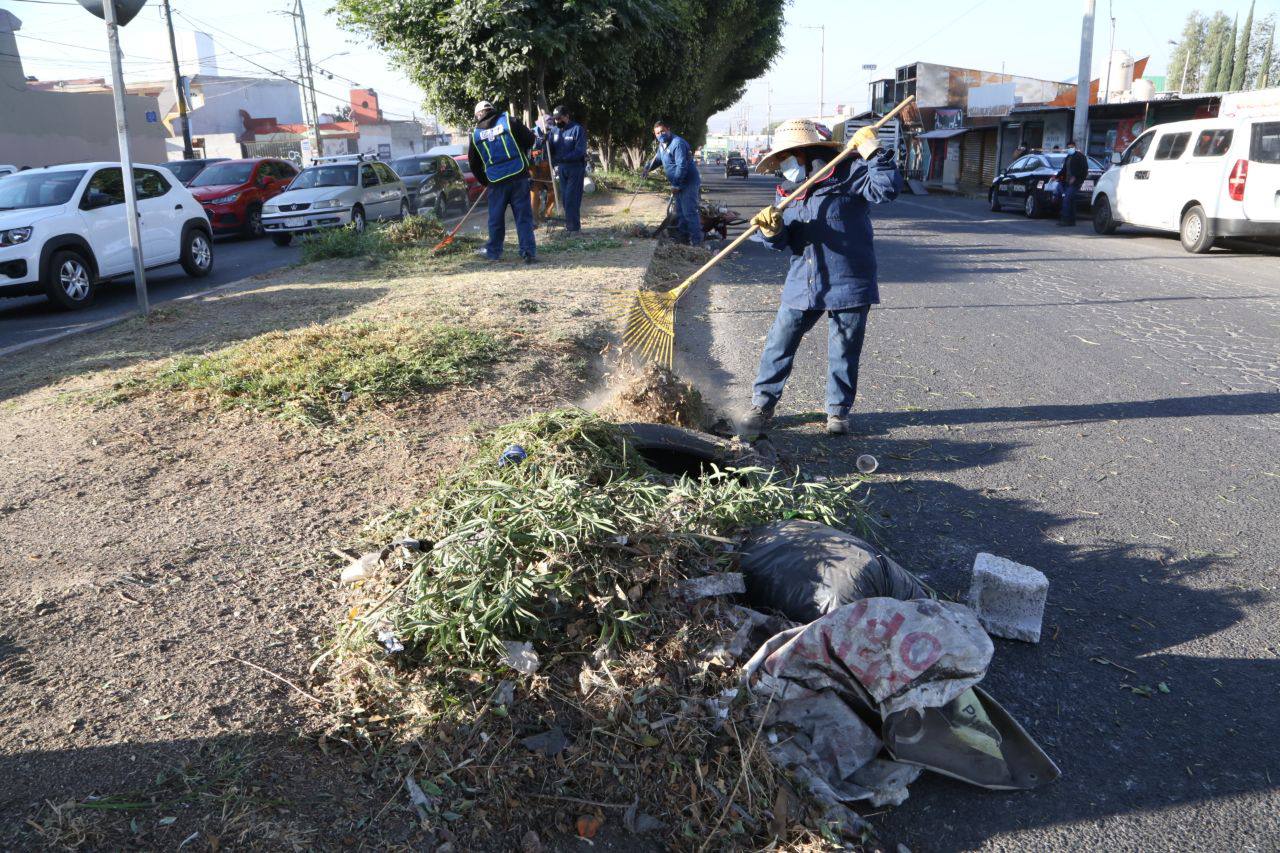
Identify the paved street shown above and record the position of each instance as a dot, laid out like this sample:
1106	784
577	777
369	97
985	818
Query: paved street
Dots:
1107	410
29	318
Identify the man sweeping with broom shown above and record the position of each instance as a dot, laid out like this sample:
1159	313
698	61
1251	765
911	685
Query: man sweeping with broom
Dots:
833	263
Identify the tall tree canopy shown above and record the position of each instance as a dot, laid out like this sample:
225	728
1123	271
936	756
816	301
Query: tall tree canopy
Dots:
1241	66
622	63
1184	65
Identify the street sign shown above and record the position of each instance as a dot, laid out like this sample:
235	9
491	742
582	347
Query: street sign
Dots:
152	118
126	10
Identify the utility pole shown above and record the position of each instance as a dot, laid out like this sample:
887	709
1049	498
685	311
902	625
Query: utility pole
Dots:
308	78
1111	51
126	159
187	153
1080	130
768	126
822	68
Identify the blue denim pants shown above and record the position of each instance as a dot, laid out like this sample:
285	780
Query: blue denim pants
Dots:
570	177
1068	212
513	193
845	332
688	221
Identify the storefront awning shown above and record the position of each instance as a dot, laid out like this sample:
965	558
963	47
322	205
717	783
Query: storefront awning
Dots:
945	133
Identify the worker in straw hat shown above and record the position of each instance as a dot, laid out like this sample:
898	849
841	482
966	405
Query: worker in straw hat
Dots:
499	160
833	262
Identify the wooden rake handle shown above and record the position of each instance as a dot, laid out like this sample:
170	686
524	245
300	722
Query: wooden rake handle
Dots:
449	237
798	192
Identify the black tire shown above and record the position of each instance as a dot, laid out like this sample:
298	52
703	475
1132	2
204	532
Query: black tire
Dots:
197	252
253	222
1195	232
1104	222
1032	207
405	212
993	200
69	280
358	222
282	240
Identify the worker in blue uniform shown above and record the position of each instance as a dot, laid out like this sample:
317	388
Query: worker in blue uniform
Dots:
499	159
676	159
568	143
832	266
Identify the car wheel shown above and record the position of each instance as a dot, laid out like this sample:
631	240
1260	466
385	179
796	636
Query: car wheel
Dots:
994	201
197	253
253	222
1032	206
404	209
1196	233
1103	220
357	219
69	280
282	239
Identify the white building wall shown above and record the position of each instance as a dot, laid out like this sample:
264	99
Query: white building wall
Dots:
217	103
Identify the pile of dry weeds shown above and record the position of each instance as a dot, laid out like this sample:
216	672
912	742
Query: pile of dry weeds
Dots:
529	659
655	394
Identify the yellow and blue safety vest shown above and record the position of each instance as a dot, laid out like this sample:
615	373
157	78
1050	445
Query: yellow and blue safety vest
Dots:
499	150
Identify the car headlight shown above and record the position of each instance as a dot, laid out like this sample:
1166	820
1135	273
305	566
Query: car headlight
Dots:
330	202
270	208
226	199
14	236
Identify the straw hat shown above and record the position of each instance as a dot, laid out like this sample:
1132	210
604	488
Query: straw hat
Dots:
790	135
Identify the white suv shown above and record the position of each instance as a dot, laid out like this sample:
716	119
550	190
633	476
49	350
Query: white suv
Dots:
333	194
1201	179
63	229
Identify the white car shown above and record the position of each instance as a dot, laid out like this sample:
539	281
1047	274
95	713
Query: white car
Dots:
330	195
1201	179
7	170
63	229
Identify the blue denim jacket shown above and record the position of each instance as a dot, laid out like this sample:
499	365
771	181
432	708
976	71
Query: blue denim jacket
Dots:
833	262
676	160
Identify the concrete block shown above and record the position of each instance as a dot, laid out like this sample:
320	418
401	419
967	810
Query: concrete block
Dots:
1008	597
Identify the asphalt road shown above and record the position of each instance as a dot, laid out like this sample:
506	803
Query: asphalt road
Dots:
1106	409
28	318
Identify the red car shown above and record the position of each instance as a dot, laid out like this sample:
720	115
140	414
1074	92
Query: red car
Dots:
474	187
233	192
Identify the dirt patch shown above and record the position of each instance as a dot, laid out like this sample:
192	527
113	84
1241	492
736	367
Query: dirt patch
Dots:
655	394
167	562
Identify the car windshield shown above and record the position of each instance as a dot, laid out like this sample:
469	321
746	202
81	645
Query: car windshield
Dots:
324	176
222	174
38	189
1056	161
735	161
407	167
185	170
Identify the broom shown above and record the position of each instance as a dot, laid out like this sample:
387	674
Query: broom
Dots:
627	209
449	237
651	314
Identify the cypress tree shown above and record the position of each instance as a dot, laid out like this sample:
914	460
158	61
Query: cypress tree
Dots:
1242	54
1264	71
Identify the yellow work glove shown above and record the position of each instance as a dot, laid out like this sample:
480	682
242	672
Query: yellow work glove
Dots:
867	142
769	220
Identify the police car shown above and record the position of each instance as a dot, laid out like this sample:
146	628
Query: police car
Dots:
1030	184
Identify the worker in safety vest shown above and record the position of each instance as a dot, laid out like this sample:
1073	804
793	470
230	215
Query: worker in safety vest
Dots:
676	159
499	160
568	142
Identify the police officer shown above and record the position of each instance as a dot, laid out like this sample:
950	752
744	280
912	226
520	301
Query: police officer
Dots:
676	158
499	160
832	267
569	160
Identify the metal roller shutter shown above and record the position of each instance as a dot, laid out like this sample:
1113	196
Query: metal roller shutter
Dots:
971	159
990	155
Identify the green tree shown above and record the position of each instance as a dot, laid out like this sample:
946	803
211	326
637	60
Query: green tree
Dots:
1186	56
1226	60
1261	53
1241	63
1265	76
1216	33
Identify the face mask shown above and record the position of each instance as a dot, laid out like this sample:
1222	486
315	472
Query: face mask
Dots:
1071	149
792	170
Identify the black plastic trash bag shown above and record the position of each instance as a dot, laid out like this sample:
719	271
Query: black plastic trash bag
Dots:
804	569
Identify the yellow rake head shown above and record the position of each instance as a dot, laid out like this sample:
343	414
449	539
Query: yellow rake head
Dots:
649	323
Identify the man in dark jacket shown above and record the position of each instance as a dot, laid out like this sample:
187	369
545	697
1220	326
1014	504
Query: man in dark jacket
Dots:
1073	173
568	143
676	159
499	159
833	263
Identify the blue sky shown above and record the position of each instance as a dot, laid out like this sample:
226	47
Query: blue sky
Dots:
1037	39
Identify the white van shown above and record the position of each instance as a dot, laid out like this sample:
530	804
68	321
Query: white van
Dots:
1202	179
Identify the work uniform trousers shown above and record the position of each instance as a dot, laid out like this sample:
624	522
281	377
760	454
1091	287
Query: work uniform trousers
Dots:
688	222
513	193
570	177
845	333
1067	216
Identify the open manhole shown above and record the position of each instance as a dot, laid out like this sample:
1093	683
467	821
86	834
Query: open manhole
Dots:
678	451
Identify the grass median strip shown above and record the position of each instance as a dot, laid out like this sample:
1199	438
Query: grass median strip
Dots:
316	373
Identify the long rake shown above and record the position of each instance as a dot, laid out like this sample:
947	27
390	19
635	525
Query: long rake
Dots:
650	315
449	237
